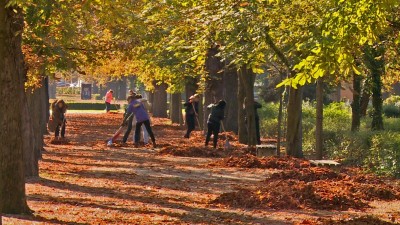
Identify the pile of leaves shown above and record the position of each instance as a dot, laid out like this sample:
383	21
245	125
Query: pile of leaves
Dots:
194	146
251	161
364	220
313	188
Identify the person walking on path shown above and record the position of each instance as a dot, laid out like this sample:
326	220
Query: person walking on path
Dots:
58	121
108	99
214	121
142	118
191	112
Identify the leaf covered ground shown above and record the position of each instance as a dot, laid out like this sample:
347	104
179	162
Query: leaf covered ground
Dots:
82	181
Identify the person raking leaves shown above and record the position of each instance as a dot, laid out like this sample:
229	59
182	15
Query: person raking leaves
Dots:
57	119
142	118
214	121
191	112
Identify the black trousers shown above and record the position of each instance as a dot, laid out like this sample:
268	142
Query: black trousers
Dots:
148	128
213	128
191	124
108	106
128	130
62	127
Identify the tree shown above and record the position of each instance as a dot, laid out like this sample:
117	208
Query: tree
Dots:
12	180
376	64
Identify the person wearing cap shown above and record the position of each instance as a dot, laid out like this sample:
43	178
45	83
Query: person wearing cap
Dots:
214	121
191	112
108	99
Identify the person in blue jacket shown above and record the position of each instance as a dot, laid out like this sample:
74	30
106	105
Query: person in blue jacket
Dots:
142	118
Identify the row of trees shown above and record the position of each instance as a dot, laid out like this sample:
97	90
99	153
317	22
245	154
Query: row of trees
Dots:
215	48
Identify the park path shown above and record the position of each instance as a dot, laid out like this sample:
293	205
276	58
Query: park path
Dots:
86	182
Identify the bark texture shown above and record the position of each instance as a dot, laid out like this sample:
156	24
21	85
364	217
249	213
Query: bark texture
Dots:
12	182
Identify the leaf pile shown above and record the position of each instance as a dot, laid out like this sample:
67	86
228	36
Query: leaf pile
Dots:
364	220
251	161
313	188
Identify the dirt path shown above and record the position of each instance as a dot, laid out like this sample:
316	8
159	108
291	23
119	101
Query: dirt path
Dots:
85	182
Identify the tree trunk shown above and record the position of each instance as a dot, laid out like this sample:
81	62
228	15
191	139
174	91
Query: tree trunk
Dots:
280	118
122	85
95	88
175	108
191	87
214	85
355	105
29	137
12	182
230	95
242	129
366	95
294	139
376	65
160	105
319	123
151	100
44	108
132	83
248	78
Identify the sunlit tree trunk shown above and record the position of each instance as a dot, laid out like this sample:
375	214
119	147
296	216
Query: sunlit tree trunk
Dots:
12	182
294	138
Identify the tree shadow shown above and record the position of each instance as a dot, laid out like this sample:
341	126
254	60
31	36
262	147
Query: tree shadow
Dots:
192	215
38	218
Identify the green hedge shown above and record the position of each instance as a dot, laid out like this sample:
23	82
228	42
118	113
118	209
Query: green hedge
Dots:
91	106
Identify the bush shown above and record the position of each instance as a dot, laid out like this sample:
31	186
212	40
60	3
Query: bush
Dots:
377	150
68	90
97	97
391	110
269	119
90	106
384	154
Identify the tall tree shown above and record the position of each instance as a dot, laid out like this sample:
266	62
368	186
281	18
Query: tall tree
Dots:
374	56
12	182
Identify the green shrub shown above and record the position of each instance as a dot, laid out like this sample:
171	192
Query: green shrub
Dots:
269	119
391	110
384	153
97	97
90	106
68	90
376	150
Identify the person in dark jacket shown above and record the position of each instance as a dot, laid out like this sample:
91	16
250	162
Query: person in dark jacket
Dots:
214	121
257	106
58	110
191	112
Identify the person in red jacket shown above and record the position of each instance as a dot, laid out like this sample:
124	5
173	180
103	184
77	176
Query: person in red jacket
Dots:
108	99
